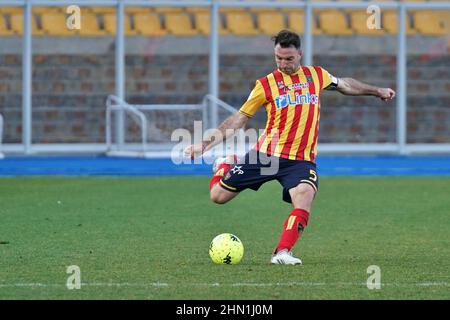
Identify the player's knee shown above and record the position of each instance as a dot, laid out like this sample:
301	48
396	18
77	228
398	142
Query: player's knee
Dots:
218	197
303	192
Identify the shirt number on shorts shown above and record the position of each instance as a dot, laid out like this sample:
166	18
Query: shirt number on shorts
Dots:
313	176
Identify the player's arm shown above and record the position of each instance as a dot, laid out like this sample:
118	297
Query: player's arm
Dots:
231	125
352	87
226	129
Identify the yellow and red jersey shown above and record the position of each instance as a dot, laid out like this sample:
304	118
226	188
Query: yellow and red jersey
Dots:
292	103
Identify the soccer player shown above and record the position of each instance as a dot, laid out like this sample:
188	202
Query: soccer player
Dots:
291	98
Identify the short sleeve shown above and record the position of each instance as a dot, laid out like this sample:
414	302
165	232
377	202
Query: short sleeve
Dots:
255	100
329	81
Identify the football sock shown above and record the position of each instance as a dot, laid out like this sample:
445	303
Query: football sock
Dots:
220	172
293	227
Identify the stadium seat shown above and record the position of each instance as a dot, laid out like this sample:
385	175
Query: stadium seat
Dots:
241	23
54	24
17	25
99	10
225	10
270	23
296	23
445	18
148	24
262	9
179	23
90	26
390	23
109	21
429	23
11	10
197	10
134	10
334	23
168	9
4	30
48	10
203	23
359	24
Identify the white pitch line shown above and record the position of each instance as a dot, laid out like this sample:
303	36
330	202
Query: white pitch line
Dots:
238	284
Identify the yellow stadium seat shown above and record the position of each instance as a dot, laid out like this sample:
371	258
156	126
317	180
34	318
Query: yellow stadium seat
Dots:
197	10
11	10
203	24
225	10
445	18
100	10
262	9
47	10
296	23
109	21
168	9
429	23
351	10
334	23
17	25
4	30
270	23
90	26
390	23
241	23
148	24
54	24
179	23
359	24
134	10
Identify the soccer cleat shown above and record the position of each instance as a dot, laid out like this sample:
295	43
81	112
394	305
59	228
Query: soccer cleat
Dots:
231	159
285	257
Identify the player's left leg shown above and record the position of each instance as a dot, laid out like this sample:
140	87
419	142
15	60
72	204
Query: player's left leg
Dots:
301	196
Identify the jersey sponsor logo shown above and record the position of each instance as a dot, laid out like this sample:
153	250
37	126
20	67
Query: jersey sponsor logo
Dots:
294	86
285	100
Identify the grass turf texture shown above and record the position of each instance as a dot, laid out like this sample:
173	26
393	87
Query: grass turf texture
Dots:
148	238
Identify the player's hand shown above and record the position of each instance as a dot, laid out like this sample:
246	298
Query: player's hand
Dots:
386	94
194	150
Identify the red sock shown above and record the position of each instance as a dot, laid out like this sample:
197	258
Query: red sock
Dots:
220	172
291	231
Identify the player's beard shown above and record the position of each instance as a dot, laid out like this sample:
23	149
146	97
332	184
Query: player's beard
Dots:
290	70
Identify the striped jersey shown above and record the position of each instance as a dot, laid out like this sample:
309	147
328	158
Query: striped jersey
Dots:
292	103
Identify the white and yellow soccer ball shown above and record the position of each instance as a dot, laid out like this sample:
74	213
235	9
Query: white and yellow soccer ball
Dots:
226	248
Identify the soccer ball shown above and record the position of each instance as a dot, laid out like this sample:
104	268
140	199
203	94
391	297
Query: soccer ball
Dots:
226	248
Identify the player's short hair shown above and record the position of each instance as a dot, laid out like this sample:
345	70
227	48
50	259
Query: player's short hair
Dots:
287	38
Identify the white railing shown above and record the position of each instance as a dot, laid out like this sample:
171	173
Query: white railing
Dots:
114	103
145	148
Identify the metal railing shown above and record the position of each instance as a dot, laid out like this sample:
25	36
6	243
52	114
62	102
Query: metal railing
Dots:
115	105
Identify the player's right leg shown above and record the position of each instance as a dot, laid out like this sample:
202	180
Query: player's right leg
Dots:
220	196
221	166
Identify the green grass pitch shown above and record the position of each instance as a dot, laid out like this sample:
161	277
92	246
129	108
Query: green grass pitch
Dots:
148	238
